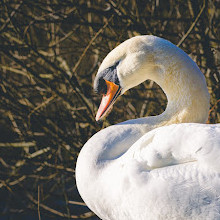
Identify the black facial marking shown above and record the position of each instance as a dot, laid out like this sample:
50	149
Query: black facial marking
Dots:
109	74
100	86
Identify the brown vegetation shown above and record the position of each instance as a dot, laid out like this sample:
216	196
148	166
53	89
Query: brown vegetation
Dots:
50	52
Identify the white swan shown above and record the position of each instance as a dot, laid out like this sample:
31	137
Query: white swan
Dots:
148	168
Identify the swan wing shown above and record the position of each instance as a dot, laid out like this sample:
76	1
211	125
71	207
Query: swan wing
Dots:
179	144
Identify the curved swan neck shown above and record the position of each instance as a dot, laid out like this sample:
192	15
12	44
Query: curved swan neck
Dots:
184	85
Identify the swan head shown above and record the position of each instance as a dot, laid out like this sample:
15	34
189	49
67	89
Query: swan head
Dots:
148	57
122	69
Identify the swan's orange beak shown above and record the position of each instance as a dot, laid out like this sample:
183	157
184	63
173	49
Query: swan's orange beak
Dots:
113	91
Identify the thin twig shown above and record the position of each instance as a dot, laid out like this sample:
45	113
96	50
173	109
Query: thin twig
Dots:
90	43
55	212
38	153
43	104
18	144
77	203
193	25
38	202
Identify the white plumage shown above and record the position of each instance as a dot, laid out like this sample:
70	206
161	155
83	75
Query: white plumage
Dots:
153	168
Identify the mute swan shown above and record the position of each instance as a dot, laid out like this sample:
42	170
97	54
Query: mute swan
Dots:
153	167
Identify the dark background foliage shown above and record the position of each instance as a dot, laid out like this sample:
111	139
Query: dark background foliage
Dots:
50	51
